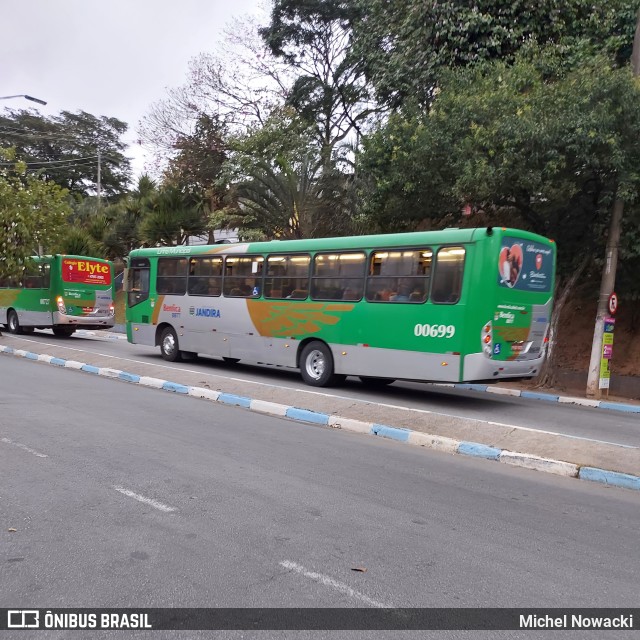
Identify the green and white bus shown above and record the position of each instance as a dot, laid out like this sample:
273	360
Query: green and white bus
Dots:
59	292
452	305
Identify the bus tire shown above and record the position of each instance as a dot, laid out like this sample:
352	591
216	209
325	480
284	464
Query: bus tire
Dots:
13	324
63	332
316	365
169	348
376	383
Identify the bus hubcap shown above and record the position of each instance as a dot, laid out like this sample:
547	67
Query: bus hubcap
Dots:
315	364
169	344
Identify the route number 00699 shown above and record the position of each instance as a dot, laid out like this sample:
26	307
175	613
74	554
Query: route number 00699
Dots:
434	330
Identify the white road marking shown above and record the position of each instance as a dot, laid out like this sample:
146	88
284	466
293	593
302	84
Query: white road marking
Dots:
334	584
150	501
340	397
24	447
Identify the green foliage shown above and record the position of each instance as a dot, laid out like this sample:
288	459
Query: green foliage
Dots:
329	92
64	149
175	217
288	200
549	153
198	165
32	213
405	45
78	242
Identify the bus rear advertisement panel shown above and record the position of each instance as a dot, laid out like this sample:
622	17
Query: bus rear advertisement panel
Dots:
452	305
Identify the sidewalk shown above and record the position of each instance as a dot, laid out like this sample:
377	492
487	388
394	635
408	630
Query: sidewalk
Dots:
554	453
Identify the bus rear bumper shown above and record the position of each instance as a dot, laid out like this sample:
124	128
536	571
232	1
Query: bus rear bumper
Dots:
478	367
84	322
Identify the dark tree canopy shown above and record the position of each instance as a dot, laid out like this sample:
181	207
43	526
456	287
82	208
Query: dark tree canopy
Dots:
64	149
404	45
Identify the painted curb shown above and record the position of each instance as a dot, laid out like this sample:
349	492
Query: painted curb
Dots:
415	438
546	397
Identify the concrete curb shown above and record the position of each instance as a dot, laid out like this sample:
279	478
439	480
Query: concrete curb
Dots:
415	438
548	397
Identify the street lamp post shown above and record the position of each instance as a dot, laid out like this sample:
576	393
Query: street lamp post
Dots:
25	96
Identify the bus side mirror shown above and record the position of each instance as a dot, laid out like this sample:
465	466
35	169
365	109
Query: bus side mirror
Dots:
125	280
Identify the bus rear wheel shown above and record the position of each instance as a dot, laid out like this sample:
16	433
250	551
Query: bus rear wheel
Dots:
316	365
63	332
13	324
169	348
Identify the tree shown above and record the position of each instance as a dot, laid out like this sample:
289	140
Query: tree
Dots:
553	151
197	167
68	149
174	218
235	87
405	45
32	213
329	92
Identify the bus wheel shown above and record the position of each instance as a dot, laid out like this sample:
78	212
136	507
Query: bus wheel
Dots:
376	383
63	332
169	345
13	324
316	365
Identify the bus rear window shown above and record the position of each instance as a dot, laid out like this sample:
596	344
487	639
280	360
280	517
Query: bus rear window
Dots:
81	271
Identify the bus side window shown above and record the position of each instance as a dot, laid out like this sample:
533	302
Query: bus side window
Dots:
399	275
447	282
286	275
333	274
172	276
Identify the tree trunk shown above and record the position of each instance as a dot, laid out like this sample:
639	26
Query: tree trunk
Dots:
547	376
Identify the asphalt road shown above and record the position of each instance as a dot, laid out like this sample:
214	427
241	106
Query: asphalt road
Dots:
127	496
573	420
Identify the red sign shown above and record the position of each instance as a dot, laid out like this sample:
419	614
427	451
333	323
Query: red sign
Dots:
613	303
85	271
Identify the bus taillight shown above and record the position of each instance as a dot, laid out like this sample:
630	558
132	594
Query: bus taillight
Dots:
486	339
61	306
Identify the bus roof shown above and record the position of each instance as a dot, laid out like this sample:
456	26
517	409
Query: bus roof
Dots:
416	238
67	255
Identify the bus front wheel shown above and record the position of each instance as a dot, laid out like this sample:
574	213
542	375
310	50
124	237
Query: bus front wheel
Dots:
169	345
13	324
316	365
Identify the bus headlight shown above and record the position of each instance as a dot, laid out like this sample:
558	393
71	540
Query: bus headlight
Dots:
61	306
112	309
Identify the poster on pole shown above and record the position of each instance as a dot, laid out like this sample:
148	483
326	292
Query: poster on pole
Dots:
607	353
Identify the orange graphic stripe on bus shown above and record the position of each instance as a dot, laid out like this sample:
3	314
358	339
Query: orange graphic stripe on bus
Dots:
156	310
284	318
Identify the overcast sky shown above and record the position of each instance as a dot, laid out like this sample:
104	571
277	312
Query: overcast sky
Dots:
111	58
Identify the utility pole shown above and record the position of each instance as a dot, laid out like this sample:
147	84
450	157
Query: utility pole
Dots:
99	168
608	281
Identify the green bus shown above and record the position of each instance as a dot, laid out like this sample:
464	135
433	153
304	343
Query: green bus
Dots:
450	306
59	292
